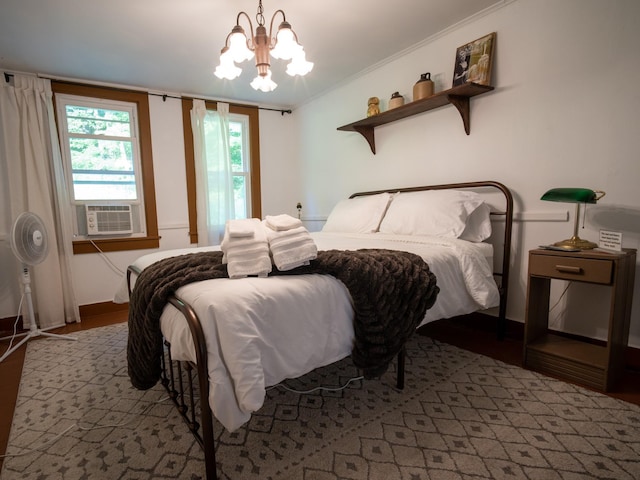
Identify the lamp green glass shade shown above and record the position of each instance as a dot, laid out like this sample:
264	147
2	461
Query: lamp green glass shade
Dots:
577	196
571	195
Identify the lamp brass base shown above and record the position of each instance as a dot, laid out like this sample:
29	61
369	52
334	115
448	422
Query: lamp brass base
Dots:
576	242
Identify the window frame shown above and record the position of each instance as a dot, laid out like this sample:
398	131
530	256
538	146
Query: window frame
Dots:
254	163
141	100
64	100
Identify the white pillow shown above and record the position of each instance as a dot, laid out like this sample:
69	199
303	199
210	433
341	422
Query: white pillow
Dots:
478	227
441	213
358	215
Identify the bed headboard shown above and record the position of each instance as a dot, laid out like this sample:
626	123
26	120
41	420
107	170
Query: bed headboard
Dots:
502	209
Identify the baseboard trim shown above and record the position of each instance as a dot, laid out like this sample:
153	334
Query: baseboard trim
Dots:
6	325
90	310
102	308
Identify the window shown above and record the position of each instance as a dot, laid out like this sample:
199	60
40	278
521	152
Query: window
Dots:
100	143
244	143
240	164
106	148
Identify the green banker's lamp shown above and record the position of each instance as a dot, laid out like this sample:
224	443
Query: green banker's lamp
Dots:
577	196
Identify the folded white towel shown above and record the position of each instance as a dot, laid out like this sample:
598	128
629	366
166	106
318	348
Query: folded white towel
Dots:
253	224
246	255
291	248
282	222
295	257
242	267
239	228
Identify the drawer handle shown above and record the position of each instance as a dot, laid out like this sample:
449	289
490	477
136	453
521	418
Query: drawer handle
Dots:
568	269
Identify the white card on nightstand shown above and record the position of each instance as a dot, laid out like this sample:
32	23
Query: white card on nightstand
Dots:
610	241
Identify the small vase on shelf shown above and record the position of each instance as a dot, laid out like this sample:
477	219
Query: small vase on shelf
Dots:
396	100
423	87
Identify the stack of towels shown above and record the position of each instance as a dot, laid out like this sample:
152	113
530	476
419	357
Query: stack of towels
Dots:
250	246
245	249
290	243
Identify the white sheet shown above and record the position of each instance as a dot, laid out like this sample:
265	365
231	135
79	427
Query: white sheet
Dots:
260	331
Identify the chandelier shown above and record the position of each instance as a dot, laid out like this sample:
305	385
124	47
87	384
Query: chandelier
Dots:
284	45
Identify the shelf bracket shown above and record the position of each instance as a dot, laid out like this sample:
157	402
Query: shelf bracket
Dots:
369	135
462	104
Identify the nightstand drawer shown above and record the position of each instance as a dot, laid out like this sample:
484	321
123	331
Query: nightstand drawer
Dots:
570	268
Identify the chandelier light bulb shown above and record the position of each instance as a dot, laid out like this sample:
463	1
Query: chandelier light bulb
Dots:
227	69
264	83
299	65
286	44
238	47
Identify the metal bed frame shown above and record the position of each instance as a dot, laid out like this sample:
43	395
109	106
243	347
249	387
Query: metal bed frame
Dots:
175	374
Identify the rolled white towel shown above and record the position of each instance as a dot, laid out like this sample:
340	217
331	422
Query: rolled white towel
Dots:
282	222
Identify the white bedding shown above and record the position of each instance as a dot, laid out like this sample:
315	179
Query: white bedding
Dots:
260	331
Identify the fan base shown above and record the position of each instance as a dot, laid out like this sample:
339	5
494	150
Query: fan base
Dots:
31	334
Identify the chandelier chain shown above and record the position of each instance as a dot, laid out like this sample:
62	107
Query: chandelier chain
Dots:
260	14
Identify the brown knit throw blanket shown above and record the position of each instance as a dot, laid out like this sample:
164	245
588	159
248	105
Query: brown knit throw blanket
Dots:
391	292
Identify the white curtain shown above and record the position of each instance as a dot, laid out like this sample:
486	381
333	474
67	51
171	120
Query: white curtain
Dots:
31	160
214	178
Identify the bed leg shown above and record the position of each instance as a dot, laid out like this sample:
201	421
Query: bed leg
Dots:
171	380
502	317
194	425
182	407
400	373
164	380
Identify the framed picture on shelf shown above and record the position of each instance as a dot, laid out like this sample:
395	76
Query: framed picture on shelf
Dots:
474	61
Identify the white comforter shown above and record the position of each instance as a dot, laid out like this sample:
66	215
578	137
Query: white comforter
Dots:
260	331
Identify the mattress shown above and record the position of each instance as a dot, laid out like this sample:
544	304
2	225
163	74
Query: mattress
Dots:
260	331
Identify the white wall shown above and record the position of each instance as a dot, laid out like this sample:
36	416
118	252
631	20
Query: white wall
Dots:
563	113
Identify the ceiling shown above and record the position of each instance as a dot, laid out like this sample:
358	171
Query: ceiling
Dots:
173	46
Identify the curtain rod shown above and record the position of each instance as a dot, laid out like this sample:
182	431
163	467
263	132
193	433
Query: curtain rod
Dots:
164	96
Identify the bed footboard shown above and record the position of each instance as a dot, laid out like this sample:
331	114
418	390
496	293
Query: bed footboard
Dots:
177	378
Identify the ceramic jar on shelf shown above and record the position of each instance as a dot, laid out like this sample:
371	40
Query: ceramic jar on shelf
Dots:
423	87
396	100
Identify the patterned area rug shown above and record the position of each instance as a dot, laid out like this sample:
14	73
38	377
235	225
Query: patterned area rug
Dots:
461	416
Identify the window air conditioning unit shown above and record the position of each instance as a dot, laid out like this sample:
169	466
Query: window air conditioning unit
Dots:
109	219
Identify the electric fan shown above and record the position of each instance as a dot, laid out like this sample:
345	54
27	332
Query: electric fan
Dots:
29	244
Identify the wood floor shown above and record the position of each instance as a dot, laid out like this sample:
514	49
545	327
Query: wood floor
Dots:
465	332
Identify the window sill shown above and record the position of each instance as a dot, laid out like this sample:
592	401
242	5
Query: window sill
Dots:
115	244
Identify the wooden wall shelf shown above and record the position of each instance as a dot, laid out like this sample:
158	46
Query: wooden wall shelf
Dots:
457	96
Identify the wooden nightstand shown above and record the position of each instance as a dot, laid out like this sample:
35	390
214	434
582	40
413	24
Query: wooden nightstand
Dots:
579	361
